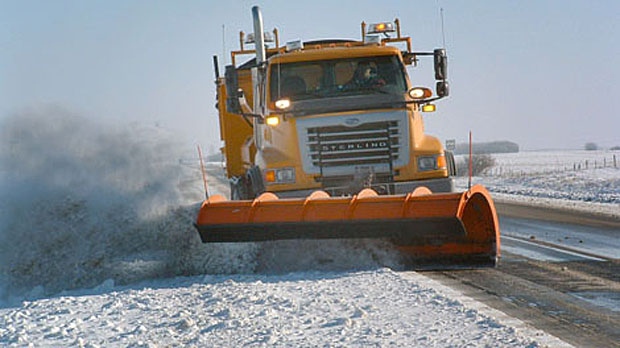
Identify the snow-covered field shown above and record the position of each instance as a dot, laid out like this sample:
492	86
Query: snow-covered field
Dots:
97	249
580	180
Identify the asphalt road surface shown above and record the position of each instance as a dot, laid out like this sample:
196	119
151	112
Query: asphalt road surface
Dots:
559	272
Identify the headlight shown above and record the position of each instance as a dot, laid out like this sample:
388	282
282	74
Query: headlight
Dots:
420	93
283	104
280	175
435	162
272	120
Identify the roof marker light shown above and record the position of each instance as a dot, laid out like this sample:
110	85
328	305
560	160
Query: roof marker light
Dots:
294	46
267	37
372	40
383	27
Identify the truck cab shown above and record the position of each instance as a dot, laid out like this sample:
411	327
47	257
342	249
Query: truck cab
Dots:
332	115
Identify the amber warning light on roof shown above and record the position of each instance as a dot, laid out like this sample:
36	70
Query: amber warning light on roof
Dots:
384	27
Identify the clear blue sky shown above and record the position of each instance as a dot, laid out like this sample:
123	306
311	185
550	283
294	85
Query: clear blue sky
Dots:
541	73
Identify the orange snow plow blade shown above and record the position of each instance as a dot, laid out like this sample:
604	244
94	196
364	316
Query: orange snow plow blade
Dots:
443	226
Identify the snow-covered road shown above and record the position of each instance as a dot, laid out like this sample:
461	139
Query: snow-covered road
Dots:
97	250
374	308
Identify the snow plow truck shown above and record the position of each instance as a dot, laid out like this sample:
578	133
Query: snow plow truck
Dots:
324	139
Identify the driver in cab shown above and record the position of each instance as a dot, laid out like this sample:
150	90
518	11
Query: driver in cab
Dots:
366	76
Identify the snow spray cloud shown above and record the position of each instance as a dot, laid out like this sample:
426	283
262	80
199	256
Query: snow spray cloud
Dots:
82	202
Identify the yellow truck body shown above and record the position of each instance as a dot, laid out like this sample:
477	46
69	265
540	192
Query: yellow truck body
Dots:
337	142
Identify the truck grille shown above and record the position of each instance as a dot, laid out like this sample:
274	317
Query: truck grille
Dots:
341	146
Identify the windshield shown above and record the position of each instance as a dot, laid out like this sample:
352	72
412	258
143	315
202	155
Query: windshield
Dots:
340	77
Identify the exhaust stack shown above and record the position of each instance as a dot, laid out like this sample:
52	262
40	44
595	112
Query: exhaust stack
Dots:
259	39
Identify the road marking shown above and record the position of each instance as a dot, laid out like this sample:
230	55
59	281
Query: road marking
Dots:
549	246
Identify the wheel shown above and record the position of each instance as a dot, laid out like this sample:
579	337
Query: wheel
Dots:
239	189
249	186
254	178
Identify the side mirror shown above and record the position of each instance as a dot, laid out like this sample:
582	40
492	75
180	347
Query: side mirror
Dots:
441	64
232	90
442	88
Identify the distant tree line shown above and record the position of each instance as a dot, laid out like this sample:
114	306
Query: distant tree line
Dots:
487	148
593	147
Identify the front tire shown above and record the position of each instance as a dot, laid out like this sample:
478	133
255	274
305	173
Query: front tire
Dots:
255	181
451	163
239	188
249	186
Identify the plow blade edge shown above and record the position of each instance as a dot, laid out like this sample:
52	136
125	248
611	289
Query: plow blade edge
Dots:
421	224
